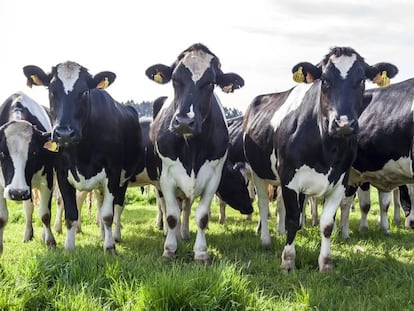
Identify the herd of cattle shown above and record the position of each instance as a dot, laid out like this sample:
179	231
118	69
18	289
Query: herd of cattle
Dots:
323	138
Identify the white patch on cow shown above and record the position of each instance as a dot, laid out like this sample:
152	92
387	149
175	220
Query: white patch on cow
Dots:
197	62
223	113
35	109
18	137
292	103
191	114
343	63
192	186
88	184
392	174
68	73
273	163
123	179
307	181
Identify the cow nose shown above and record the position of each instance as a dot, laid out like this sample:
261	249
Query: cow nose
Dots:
183	124
64	135
19	194
343	126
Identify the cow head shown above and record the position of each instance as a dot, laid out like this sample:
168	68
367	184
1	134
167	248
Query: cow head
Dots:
69	84
20	145
341	76
194	75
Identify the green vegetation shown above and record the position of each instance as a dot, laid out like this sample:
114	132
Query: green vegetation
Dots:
372	271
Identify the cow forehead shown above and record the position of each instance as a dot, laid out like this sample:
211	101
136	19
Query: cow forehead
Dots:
197	62
343	63
68	73
18	136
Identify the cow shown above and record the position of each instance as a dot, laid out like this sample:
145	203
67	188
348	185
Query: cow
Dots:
304	140
385	141
25	163
98	141
191	138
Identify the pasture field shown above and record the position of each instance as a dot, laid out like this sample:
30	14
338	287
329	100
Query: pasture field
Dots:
371	271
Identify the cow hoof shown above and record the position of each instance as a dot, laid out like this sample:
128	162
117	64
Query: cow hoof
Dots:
201	257
110	250
58	230
325	264
117	239
168	254
28	236
185	236
363	229
287	266
409	224
51	244
266	243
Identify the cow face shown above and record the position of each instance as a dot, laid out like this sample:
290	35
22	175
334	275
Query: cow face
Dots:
69	84
20	146
342	76
194	75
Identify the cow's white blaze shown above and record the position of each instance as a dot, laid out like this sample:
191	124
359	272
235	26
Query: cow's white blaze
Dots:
307	181
191	114
292	103
68	73
197	62
343	63
35	109
18	137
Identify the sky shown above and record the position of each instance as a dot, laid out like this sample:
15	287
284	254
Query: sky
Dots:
260	40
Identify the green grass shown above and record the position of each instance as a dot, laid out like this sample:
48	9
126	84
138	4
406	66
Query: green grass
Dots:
371	271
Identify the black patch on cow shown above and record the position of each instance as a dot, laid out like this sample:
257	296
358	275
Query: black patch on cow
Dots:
203	222
172	221
328	230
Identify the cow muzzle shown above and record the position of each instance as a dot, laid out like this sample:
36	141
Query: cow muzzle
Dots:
65	136
184	125
343	127
16	194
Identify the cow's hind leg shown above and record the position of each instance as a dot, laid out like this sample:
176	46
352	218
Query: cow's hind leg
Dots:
384	202
45	215
263	203
28	213
4	216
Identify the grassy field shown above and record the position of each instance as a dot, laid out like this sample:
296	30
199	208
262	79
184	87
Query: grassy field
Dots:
371	271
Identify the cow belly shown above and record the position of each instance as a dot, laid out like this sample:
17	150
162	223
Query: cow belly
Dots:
191	185
393	174
87	184
307	181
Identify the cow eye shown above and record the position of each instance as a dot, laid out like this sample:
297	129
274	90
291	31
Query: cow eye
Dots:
326	85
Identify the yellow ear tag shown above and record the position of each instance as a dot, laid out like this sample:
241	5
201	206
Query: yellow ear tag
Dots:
36	80
103	84
158	77
382	80
298	75
51	146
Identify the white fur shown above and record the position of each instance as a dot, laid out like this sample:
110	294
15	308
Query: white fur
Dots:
292	103
87	184
343	63
307	181
197	62
68	73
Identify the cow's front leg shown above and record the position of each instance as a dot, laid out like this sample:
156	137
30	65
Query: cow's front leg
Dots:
28	215
327	221
384	203
45	215
107	219
4	216
173	220
71	210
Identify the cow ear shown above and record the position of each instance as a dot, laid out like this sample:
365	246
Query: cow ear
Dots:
36	76
159	73
306	72
102	80
157	105
229	82
381	73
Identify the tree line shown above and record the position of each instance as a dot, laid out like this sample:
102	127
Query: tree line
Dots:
145	109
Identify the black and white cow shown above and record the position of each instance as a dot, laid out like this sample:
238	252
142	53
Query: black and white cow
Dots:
385	142
191	138
25	163
304	140
99	141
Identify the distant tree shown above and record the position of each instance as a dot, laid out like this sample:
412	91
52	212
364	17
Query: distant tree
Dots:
231	112
144	108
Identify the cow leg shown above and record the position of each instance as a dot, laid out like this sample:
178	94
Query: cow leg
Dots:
59	211
406	195
45	215
107	219
327	222
314	210
263	203
185	224
365	206
80	199
4	216
222	217
281	212
28	213
293	209
161	211
71	211
202	217
384	203
345	204
173	216
397	206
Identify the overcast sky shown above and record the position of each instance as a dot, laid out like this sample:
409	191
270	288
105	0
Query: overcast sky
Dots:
261	40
